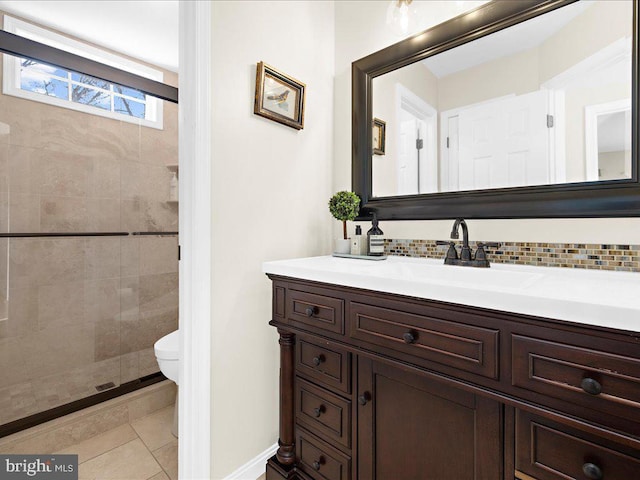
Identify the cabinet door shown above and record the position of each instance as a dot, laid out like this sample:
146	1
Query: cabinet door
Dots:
415	427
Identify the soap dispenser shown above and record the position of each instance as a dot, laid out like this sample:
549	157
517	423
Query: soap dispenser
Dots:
356	242
375	239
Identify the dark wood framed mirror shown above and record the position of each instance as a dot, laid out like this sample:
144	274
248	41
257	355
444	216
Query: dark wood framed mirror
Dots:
567	185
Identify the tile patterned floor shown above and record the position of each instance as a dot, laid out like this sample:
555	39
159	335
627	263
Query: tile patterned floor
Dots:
141	450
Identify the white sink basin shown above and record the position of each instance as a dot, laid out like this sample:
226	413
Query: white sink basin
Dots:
435	271
593	297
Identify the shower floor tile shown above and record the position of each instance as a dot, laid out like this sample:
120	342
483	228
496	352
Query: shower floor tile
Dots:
41	394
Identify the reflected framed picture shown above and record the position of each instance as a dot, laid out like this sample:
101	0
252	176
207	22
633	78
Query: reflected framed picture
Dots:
379	127
279	97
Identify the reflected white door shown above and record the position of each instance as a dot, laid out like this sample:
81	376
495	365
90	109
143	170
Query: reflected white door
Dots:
504	143
408	157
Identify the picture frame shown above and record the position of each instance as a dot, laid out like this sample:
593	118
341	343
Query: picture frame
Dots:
379	136
279	97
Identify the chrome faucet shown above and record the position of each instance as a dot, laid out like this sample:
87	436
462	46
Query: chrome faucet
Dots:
466	258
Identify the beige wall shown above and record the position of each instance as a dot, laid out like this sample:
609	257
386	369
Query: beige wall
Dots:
355	39
270	188
570	44
525	71
515	74
613	165
83	310
576	99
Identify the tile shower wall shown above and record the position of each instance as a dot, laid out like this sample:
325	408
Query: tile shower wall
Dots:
77	312
571	255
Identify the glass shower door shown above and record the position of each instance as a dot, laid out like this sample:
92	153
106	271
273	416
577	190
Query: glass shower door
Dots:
88	253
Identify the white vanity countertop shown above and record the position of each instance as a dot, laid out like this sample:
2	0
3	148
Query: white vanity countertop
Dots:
592	297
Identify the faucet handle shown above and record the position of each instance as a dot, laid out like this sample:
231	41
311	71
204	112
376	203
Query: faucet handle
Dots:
452	253
480	253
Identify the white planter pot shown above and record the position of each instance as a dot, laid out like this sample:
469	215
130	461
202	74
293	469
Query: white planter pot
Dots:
342	245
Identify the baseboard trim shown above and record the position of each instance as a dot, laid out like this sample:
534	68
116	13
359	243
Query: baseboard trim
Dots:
254	468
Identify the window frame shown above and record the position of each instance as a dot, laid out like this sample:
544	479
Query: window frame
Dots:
11	84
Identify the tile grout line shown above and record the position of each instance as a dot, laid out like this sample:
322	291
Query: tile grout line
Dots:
152	452
112	449
161	466
105	452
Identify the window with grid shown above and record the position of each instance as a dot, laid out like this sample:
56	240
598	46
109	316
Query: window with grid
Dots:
50	84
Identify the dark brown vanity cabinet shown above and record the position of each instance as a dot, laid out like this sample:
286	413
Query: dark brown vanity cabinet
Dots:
385	387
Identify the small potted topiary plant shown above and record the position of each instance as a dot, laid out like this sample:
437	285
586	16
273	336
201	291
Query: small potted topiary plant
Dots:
344	206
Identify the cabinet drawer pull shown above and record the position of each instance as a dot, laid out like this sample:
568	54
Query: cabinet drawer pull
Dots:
409	337
310	311
592	471
318	463
592	387
318	360
318	411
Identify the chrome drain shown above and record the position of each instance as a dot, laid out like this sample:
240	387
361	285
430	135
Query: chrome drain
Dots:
105	386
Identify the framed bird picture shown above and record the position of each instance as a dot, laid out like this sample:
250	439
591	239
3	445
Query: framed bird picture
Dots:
379	136
279	97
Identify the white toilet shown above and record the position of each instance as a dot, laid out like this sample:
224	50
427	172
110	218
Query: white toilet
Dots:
167	351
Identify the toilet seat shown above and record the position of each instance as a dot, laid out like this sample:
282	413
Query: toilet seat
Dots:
167	351
167	348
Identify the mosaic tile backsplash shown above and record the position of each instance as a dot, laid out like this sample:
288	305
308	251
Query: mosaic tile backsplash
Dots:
571	255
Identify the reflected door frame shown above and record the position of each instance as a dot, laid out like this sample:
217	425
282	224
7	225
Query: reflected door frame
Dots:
591	114
422	111
615	54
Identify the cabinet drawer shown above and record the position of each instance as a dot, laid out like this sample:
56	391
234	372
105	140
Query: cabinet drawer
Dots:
319	312
548	451
324	364
466	347
322	412
320	460
598	380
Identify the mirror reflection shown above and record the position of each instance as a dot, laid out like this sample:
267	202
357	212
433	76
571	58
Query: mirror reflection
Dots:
546	101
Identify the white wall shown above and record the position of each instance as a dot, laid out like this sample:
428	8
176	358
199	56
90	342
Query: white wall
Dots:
360	30
270	189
